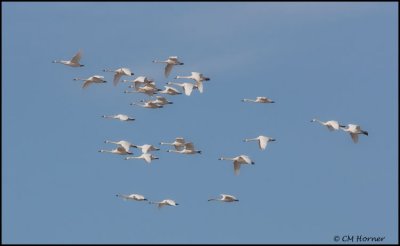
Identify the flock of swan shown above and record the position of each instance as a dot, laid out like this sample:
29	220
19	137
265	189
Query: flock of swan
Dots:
146	85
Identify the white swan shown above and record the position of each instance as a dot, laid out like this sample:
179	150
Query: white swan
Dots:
135	197
179	143
166	202
125	144
170	91
119	151
225	198
188	149
160	101
74	62
171	61
262	141
140	80
148	89
331	124
237	161
259	100
149	104
91	80
146	156
198	77
122	117
354	130
146	148
187	87
118	73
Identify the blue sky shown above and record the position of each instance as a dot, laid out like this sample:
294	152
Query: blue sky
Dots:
331	61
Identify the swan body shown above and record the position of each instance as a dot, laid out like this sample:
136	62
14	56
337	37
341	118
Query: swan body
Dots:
146	148
145	156
149	104
237	161
179	143
166	202
119	151
354	131
125	144
121	117
171	62
135	197
188	149
259	100
262	141
118	73
148	89
160	101
91	80
74	62
225	198
331	124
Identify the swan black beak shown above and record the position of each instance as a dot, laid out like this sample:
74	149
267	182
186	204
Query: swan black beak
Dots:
252	163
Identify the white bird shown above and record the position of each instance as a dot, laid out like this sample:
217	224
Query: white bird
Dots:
179	143
225	198
148	104
146	148
262	141
146	156
119	151
187	87
91	80
237	161
122	117
170	91
198	77
171	61
354	130
140	80
125	144
166	202
331	124
118	73
74	62
259	100
160	101
135	197
148	89
188	148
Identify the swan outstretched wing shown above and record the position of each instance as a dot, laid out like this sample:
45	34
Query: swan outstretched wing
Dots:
168	69
77	57
354	136
236	167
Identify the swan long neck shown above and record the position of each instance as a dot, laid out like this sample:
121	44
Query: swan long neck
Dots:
108	70
248	100
78	79
108	141
106	151
162	143
158	61
227	158
317	120
250	139
183	77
